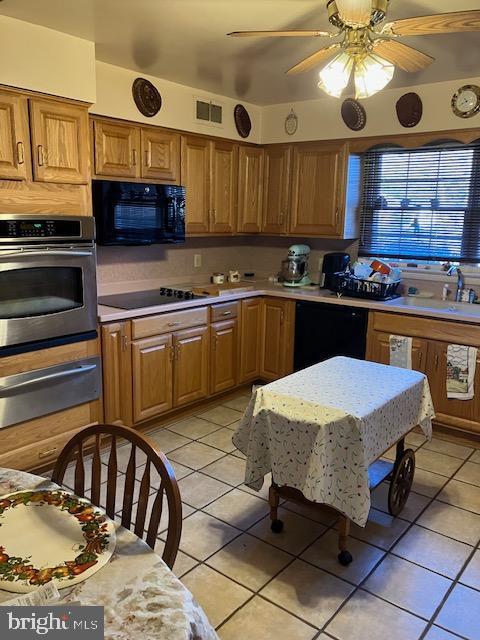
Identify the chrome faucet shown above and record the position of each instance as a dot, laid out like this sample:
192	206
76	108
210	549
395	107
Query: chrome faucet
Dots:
460	281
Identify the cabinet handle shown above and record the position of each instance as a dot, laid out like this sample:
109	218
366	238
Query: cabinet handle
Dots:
282	316
124	342
210	215
147	158
281	217
226	313
47	453
420	358
173	324
214	215
172	352
134	157
40	158
177	351
20	153
337	214
436	361
215	340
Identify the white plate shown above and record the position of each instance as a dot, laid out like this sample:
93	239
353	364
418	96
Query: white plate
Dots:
43	536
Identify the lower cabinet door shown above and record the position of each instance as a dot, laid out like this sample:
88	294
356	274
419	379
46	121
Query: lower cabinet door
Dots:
223	359
117	373
379	350
277	338
152	376
250	339
190	374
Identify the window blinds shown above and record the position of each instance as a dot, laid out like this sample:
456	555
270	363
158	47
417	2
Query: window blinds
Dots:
422	203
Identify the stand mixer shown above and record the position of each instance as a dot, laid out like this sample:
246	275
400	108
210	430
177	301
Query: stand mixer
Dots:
295	267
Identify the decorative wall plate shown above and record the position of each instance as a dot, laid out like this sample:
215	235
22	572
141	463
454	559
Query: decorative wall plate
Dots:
147	97
466	101
353	114
242	121
51	536
291	123
409	109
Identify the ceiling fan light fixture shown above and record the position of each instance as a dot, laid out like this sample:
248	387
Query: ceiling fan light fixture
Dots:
335	75
372	74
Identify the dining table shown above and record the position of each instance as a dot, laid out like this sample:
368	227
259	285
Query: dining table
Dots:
141	596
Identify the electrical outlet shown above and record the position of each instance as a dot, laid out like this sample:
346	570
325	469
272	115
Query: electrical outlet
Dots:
197	260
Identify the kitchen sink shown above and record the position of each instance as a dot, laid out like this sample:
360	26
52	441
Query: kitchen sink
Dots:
461	308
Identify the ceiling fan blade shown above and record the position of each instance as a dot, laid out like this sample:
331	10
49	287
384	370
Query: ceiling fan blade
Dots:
440	23
355	12
402	55
314	59
298	33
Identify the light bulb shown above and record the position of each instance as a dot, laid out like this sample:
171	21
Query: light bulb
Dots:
372	74
335	76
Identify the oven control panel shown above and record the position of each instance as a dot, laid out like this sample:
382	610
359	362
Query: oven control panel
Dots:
39	228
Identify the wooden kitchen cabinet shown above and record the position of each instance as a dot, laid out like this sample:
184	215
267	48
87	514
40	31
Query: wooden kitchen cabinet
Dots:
224	186
59	133
379	351
14	137
278	318
160	152
190	371
276	189
250	189
117	373
196	179
318	189
116	149
250	339
223	355
152	376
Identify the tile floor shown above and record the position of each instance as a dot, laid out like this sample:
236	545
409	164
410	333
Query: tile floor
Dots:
413	577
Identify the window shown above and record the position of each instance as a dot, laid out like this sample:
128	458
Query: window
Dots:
422	203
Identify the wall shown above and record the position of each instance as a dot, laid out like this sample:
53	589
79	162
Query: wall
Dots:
114	98
321	119
127	268
41	59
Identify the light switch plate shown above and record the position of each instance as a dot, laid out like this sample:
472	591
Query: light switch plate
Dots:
197	260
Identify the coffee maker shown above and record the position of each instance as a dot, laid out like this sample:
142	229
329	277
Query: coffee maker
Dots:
333	263
295	267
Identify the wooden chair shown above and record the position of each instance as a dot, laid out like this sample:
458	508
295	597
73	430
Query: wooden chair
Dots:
76	449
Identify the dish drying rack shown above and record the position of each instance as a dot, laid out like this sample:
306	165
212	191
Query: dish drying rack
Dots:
346	284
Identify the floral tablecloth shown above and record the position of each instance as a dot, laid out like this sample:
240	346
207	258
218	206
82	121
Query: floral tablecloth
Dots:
319	429
141	596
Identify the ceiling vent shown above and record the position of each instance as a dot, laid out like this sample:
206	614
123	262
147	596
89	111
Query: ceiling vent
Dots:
208	112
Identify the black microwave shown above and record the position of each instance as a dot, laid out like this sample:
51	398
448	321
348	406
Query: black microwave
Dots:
132	213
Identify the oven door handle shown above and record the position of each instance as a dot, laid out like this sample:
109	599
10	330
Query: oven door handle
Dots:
27	254
84	368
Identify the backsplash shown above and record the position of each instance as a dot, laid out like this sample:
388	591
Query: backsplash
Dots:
170	264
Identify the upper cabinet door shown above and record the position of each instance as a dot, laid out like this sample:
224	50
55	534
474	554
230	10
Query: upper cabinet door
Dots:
117	148
14	140
318	189
250	189
160	155
276	191
59	142
224	185
196	179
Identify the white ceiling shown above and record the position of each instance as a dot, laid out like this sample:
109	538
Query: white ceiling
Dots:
185	41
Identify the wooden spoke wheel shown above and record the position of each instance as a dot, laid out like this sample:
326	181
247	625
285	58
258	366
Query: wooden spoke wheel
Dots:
401	482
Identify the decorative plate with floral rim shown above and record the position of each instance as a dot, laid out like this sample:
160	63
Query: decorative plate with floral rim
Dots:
51	535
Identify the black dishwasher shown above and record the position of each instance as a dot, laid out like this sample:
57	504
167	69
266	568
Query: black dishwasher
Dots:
324	330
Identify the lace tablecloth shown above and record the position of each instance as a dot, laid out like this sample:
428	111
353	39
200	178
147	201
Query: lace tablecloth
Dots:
141	596
319	429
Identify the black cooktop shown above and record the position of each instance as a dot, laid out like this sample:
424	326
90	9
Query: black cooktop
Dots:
150	298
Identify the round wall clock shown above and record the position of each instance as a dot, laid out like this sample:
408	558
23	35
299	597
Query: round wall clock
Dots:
291	123
242	121
466	101
146	97
353	114
409	109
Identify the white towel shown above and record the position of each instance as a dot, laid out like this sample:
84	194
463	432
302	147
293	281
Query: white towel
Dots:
401	351
461	364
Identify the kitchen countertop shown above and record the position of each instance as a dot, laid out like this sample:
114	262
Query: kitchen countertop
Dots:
462	312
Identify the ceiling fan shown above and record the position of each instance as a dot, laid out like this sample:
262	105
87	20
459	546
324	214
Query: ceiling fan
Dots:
369	46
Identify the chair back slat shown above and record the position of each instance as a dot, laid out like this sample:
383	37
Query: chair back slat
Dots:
156	460
79	476
96	471
112	472
142	502
129	490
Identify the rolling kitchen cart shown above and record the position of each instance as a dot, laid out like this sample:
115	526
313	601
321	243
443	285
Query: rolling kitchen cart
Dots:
322	431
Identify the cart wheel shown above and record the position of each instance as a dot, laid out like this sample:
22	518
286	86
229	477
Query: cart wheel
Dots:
345	558
276	526
401	482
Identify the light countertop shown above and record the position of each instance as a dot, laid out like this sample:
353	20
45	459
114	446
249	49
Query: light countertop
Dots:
458	312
